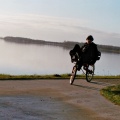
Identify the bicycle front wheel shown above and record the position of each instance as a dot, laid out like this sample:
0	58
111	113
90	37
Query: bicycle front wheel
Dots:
90	73
73	75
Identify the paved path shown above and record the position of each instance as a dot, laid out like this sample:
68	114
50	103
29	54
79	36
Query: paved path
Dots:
56	100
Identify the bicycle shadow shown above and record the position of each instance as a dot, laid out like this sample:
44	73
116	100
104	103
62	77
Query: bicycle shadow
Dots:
87	87
101	83
94	88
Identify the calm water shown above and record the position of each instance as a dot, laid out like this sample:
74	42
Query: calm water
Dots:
37	59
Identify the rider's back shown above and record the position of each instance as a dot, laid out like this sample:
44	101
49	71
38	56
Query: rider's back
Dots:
89	53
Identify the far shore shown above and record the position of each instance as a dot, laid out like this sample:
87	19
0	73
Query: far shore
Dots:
66	44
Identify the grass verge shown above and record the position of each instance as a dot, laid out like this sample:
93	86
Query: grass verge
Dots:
112	93
54	76
29	77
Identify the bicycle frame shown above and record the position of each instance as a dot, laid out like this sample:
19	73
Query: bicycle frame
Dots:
88	72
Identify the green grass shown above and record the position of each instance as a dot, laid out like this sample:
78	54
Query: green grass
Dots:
112	93
54	76
29	77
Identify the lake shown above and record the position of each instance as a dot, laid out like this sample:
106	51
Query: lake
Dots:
19	59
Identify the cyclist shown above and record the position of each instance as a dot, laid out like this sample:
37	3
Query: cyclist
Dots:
88	53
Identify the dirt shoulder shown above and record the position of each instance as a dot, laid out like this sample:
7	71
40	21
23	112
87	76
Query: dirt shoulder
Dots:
82	100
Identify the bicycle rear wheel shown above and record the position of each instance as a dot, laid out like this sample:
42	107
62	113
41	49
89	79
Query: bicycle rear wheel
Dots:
73	74
90	73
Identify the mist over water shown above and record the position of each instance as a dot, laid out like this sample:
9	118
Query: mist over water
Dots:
28	59
53	29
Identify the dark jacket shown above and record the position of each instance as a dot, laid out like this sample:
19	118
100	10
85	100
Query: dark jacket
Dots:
89	53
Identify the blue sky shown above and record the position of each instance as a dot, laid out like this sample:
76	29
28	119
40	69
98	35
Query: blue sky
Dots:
59	20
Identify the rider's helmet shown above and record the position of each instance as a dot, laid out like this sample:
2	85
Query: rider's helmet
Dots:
90	37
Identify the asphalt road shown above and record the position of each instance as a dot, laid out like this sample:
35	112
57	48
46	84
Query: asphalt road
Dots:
56	100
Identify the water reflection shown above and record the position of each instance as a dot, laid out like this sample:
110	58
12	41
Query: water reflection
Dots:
109	64
37	59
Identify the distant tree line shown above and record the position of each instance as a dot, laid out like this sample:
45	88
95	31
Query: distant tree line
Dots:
66	44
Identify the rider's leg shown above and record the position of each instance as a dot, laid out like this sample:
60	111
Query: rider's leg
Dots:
77	49
80	63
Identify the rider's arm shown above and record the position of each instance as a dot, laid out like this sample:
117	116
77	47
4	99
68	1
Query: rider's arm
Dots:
84	48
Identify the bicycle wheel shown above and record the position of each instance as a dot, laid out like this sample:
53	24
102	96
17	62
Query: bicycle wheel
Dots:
90	73
73	75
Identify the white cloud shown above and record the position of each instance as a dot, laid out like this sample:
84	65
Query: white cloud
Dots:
52	28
